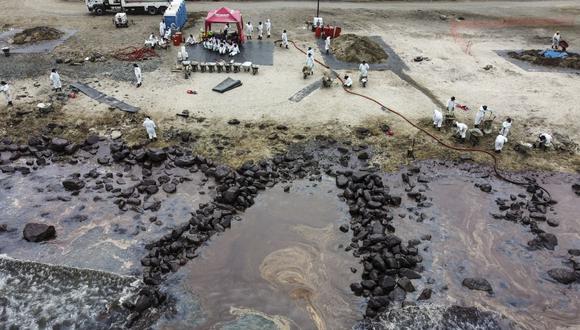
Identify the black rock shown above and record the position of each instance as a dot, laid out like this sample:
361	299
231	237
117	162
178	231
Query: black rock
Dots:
169	188
543	240
425	294
378	302
392	240
574	252
156	155
92	139
58	144
486	187
356	288
341	181
553	222
73	184
233	122
406	284
562	275
343	228
185	161
387	283
230	196
363	155
408	273
477	283
38	232
368	284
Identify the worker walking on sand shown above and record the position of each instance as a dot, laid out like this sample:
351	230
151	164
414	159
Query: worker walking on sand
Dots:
310	52
150	128
138	75
284	40
500	140
162	29
55	80
327	45
5	88
260	30
556	40
437	119
268	25
480	115
544	141
363	70
249	30
310	63
505	127
461	130
451	104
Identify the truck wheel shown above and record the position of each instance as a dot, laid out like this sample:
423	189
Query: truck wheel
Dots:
99	10
162	10
152	10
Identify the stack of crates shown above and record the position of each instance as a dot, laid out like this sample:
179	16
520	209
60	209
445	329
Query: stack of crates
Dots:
175	16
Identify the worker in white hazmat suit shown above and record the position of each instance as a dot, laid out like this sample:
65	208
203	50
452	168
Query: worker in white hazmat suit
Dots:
162	29
55	80
480	115
260	30
151	41
184	54
310	62
437	119
347	81
460	130
5	89
284	40
363	70
506	126
138	75
310	51
500	140
451	104
544	141
327	45
249	30
150	128
268	26
556	40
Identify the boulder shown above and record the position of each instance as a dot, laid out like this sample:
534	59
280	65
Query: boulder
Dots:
406	284
38	232
387	283
169	188
543	240
184	161
73	184
562	275
341	181
58	144
92	139
486	187
425	294
477	283
229	196
156	155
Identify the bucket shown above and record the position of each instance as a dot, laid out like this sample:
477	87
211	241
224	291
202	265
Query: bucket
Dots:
177	39
6	51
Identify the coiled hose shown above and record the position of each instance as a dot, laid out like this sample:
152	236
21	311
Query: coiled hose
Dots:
431	135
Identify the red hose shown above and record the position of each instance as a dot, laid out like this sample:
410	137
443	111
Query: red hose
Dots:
437	139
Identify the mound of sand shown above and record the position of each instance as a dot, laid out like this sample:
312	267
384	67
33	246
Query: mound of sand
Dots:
36	34
534	56
355	49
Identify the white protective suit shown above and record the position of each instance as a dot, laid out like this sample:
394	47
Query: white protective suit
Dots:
249	30
268	26
55	80
150	127
7	92
310	51
260	31
235	50
152	41
548	139
556	40
184	54
500	140
327	44
310	62
191	40
138	76
162	29
168	34
480	115
461	130
363	69
505	128
285	39
451	105
348	82
437	118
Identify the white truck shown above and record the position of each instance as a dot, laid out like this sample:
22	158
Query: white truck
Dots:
152	7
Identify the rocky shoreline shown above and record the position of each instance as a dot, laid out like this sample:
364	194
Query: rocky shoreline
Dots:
390	265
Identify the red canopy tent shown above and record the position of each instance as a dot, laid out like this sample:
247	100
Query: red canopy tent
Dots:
226	15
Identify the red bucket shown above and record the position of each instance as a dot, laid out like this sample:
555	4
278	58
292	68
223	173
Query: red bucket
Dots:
177	39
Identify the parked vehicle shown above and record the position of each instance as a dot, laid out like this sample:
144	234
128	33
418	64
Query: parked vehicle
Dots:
152	7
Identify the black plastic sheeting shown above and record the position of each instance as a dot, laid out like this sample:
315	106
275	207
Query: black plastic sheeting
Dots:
104	98
227	85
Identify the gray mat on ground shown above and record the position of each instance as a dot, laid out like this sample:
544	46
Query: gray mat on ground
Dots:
45	46
306	91
104	98
336	64
227	85
257	52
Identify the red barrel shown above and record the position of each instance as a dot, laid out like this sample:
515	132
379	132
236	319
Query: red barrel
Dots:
318	32
328	31
177	39
336	33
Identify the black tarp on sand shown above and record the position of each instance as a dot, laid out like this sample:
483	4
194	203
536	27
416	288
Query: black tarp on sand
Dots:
227	85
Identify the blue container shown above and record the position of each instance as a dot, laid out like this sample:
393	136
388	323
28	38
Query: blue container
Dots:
175	16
